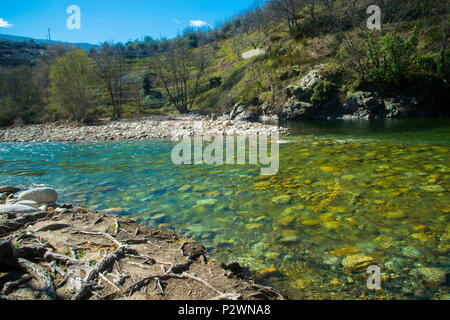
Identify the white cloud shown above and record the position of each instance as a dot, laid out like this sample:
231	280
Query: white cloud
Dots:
176	20
5	24
197	23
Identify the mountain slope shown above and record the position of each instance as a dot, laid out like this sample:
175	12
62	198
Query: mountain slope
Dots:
85	46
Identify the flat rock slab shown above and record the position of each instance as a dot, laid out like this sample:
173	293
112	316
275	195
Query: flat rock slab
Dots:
17	209
29	203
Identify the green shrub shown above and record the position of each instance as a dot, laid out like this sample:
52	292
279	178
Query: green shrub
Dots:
432	63
72	87
322	92
428	62
333	72
214	82
390	58
7	116
275	38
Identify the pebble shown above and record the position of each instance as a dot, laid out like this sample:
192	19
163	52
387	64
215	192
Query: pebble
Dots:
284	199
147	128
356	262
411	252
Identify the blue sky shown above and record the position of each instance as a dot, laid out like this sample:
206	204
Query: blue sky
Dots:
112	20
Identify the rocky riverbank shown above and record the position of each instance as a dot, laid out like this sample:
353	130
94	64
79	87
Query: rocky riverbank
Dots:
301	100
148	128
54	251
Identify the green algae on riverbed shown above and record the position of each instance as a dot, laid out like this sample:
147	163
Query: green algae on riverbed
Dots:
340	202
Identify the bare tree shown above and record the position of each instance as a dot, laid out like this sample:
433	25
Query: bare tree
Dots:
180	71
440	11
312	12
287	10
111	70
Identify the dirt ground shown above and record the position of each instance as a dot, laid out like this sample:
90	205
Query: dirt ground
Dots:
69	253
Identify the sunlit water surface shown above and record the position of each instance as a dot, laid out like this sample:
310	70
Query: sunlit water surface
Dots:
374	188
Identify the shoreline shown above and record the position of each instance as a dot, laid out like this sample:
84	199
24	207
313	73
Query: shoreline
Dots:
49	251
139	129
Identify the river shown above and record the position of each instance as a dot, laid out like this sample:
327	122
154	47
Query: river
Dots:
374	192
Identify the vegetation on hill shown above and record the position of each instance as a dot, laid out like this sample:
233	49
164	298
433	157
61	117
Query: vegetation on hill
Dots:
203	71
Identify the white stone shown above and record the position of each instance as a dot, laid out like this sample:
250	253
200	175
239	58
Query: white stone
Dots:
253	53
40	195
17	208
29	203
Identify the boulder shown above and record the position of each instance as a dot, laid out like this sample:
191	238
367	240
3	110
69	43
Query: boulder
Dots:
236	110
269	119
366	105
240	113
357	99
299	110
373	104
293	91
39	195
401	107
17	209
310	80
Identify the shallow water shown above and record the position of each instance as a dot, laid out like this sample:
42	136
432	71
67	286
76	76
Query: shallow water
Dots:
377	189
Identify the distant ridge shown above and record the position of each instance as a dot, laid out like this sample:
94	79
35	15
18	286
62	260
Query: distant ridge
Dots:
85	46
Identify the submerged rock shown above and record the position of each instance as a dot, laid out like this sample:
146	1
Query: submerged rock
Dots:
432	276
395	214
206	202
39	195
284	199
411	252
356	262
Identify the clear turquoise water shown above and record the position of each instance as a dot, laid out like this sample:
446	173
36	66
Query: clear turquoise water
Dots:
374	188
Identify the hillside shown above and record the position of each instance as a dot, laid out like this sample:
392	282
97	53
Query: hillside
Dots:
319	61
8	37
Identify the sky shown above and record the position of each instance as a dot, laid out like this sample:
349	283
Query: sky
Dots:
112	20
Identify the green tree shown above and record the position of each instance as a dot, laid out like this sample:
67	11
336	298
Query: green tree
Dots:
72	86
390	58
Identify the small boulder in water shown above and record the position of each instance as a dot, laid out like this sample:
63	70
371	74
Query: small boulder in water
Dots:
356	262
432	276
39	195
284	199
